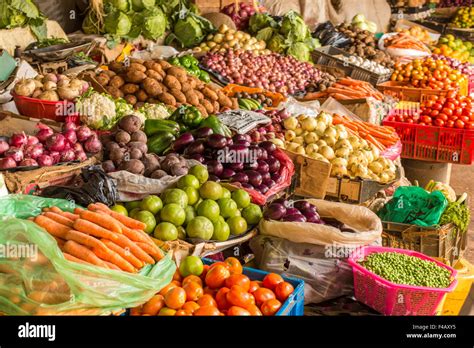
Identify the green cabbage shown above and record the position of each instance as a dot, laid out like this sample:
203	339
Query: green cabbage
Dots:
265	34
189	29
140	5
300	51
277	43
154	24
122	5
117	23
259	21
294	28
19	13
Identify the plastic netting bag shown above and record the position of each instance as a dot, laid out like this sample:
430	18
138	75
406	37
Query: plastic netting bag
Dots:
36	279
325	275
414	205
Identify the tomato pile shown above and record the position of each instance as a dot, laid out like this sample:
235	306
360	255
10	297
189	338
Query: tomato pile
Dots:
428	73
453	111
221	289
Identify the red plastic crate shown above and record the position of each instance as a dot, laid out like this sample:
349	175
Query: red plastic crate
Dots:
432	143
36	108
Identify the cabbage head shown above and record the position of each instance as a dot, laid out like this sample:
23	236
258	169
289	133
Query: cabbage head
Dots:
122	5
154	24
277	43
300	51
259	21
117	23
294	28
265	34
140	5
190	30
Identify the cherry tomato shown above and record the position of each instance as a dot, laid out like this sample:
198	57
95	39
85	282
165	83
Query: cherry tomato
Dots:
457	112
459	124
449	105
437	106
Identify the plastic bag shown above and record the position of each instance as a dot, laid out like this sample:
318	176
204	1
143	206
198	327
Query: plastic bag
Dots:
414	205
329	36
36	279
96	187
325	277
367	225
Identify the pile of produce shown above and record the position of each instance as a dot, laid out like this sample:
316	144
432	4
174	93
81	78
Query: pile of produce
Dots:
100	236
464	17
48	148
350	154
196	208
428	73
215	290
465	68
290	35
417	32
226	38
364	44
253	101
365	64
455	111
328	35
273	130
405	41
458	213
51	87
360	22
240	13
445	189
191	65
160	82
454	3
273	72
408	270
346	89
299	211
450	46
14	14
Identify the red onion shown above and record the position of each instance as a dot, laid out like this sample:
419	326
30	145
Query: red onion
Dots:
93	144
83	133
68	156
77	147
69	126
15	153
34	151
44	132
81	156
3	146
32	140
28	162
18	140
7	163
45	160
71	136
56	142
56	156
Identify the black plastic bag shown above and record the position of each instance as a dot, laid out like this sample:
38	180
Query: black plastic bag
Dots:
328	35
94	186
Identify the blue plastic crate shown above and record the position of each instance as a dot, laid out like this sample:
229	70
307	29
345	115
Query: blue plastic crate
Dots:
294	305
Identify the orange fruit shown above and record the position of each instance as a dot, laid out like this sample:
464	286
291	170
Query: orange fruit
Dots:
167	288
238	279
177	283
190	306
154	305
216	276
136	311
177	276
254	310
271	280
237	296
167	312
175	298
235	267
192	278
283	290
204	272
208	291
182	313
207	300
221	299
263	294
207	311
254	285
234	311
270	307
193	291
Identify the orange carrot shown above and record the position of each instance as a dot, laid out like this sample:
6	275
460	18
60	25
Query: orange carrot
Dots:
136	235
155	252
113	257
78	211
124	242
127	255
94	230
85	239
66	214
59	218
112	266
69	257
60	241
102	220
54	228
129	222
81	252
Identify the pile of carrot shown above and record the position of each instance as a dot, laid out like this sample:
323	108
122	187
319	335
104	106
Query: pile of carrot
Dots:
381	137
347	89
99	236
406	41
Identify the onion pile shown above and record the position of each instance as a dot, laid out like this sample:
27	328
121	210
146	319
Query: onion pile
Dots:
273	72
48	148
240	15
234	159
272	130
299	211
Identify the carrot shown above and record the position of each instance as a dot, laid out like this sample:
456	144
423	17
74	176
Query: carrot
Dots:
129	222
69	257
81	252
59	218
123	253
54	228
66	214
45	209
94	230
155	252
136	235
78	211
60	241
85	239
112	266
116	259
102	220
124	242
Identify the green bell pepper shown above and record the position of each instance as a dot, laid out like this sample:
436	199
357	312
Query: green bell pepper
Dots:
174	61
160	141
216	125
194	61
189	116
154	126
186	61
204	76
194	70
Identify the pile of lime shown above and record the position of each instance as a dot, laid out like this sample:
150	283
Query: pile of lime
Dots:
196	208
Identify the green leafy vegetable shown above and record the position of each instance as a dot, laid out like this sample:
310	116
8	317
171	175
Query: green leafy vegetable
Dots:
117	23
189	28
300	51
154	24
122	5
277	43
259	21
294	28
265	34
458	214
20	13
140	5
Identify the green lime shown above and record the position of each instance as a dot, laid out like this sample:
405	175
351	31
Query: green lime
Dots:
188	180
209	209
176	196
133	213
241	197
151	203
190	214
252	214
119	208
227	207
237	225
211	190
192	193
191	265
200	227
226	193
200	172
147	218
132	205
173	213
165	231
181	232
221	230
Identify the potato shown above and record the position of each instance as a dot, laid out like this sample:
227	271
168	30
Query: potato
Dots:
164	64
185	87
158	68
199	94
138	145
158	174
203	110
224	100
191	82
149	64
116	81
192	98
139	136
109	73
172	82
167	99
131	99
179	73
136	66
134	166
116	67
208	106
216	105
130	88
141	95
122	137
135	76
130	124
102	79
178	95
214	87
153	101
114	92
154	75
152	87
137	61
235	103
209	93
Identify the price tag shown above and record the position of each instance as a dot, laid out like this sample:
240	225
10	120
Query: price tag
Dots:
243	121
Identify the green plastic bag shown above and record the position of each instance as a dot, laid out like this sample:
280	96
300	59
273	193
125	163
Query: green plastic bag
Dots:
36	279
414	205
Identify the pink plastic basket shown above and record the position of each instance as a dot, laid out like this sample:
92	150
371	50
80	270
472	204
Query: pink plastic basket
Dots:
395	299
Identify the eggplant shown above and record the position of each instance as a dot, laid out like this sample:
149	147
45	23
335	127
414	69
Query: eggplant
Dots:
184	140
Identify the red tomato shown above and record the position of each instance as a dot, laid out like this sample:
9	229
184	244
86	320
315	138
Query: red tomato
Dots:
437	106
409	120
426	119
449	124
283	290
271	280
270	307
469	125
464	119
459	124
434	113
450	106
442	117
457	112
447	111
438	122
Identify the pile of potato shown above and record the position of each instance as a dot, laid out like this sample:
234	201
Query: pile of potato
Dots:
160	82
